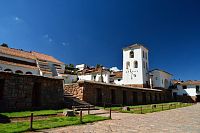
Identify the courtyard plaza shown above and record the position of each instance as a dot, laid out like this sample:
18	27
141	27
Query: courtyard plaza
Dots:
181	120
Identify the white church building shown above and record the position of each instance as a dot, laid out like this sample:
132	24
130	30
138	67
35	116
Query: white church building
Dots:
135	71
136	66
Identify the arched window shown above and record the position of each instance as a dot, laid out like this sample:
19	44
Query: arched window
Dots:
143	54
8	70
146	66
131	54
135	64
19	72
127	65
29	73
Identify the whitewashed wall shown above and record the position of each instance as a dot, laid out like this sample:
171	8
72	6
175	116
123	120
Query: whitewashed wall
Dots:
190	91
106	77
116	81
160	78
140	72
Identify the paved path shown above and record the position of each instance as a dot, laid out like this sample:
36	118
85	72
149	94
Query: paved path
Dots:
182	120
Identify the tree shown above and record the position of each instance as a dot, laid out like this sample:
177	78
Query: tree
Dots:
71	65
99	66
4	45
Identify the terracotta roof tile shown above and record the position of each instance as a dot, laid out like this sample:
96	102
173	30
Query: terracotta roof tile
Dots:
16	52
118	74
191	82
28	55
41	56
92	70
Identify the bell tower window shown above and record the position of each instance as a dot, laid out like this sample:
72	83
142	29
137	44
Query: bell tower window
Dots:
131	54
127	65
135	64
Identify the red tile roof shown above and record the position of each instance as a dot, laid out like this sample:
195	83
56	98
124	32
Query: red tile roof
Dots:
16	52
92	70
118	74
191	82
41	56
188	82
28	55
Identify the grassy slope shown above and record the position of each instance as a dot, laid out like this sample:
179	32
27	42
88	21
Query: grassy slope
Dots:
28	113
148	108
48	123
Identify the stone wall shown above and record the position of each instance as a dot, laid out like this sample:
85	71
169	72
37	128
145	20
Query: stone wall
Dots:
98	93
22	92
74	89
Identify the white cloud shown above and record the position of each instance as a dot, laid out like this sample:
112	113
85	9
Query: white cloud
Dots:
18	19
65	44
50	39
46	36
115	69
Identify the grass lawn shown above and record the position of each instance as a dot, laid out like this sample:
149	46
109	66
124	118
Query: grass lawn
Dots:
28	113
48	123
142	109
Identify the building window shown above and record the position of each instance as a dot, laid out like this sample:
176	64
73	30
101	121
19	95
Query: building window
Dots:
8	70
144	64
197	89
156	78
127	65
119	79
143	54
131	55
135	64
94	78
31	73
134	75
18	72
184	87
146	56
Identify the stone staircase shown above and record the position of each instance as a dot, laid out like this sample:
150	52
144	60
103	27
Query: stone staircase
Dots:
71	100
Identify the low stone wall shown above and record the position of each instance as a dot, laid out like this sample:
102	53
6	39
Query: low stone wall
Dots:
98	93
74	89
21	92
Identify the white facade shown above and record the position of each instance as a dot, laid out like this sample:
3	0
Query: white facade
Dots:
118	81
81	66
96	77
161	79
135	65
191	90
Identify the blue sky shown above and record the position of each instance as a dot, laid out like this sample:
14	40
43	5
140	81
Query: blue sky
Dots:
95	31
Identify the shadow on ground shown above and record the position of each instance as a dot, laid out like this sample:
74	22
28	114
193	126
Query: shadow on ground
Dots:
4	119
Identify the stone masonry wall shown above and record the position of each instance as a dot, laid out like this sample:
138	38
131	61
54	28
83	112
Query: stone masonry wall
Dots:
74	89
21	92
99	93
